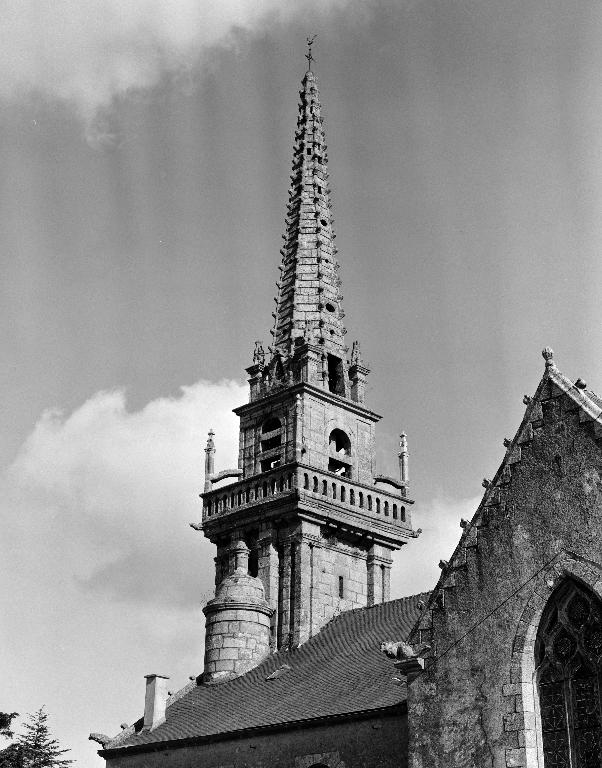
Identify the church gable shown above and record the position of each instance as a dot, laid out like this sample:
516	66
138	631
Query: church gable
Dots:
537	527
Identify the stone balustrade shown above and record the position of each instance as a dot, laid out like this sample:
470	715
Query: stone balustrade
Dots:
297	480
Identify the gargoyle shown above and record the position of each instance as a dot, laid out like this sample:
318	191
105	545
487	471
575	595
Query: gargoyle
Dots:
100	738
401	650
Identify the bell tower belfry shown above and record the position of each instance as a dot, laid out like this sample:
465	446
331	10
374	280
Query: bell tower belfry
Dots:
319	523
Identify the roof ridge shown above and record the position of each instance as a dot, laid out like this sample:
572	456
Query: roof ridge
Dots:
493	496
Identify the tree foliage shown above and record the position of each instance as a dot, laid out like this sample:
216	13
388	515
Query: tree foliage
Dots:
6	719
35	747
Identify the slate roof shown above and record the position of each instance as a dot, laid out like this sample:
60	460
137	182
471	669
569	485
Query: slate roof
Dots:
339	671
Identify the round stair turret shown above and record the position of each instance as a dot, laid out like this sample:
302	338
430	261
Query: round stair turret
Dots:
237	633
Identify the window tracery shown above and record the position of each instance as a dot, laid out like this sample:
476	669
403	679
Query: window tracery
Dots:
568	654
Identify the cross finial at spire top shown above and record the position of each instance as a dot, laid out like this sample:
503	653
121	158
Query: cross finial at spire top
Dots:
308	55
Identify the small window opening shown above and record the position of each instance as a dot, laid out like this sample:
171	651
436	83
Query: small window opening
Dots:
253	562
336	382
402	513
315	484
361	499
352	497
330	307
341	587
369	503
386	509
394	511
323	222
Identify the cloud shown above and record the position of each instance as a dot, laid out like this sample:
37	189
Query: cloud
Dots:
103	579
90	51
111	492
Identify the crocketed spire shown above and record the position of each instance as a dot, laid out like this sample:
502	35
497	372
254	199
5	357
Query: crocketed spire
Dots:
308	304
308	333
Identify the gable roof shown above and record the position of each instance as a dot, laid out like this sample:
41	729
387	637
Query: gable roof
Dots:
553	384
338	672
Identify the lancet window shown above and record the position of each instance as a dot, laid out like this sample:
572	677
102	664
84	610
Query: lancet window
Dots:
568	655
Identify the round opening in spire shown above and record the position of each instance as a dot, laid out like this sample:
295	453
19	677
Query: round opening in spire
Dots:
330	307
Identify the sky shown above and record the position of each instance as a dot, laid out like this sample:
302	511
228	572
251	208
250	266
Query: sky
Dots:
145	151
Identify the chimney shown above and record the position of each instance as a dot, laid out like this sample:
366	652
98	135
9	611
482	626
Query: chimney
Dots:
155	701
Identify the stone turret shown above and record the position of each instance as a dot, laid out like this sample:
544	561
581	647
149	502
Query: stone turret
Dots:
237	635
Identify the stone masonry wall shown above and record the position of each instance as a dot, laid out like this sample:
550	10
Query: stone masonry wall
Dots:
475	706
319	419
379	742
235	641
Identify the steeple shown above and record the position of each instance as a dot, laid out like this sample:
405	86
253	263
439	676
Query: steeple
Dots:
308	333
308	305
319	523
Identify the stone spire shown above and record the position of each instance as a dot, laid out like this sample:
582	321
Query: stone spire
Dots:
308	305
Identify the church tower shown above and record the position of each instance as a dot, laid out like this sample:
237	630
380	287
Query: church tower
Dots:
306	527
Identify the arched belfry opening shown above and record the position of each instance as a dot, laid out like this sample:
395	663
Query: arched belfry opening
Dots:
339	449
568	658
271	443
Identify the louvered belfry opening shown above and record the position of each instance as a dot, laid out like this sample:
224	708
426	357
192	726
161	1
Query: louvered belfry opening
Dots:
568	655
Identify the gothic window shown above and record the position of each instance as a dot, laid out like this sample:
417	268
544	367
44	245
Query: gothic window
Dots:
341	587
568	656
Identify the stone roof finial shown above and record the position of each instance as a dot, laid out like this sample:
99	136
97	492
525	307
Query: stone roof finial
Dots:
209	459
258	354
548	356
404	467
